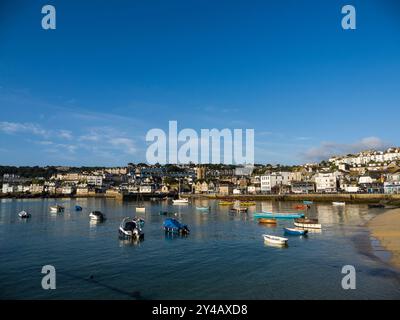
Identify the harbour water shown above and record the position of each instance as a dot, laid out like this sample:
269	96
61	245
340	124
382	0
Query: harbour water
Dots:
224	257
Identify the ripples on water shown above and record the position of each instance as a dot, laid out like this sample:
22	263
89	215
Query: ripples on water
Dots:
224	257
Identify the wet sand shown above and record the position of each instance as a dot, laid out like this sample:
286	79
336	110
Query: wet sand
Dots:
386	229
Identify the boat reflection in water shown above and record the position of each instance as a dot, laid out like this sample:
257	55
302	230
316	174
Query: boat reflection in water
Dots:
276	245
129	242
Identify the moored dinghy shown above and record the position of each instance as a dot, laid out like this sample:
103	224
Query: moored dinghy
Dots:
174	226
97	216
130	228
267	221
275	240
295	231
338	203
307	223
56	209
24	215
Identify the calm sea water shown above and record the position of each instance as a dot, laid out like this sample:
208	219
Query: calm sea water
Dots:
224	257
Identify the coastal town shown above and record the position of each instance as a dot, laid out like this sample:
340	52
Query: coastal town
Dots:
369	172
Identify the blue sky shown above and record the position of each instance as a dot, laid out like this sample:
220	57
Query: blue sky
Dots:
87	92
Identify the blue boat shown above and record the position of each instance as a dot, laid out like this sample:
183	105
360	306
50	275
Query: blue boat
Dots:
295	231
278	215
174	226
78	208
307	202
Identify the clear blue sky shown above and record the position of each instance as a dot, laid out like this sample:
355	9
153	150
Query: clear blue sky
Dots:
87	92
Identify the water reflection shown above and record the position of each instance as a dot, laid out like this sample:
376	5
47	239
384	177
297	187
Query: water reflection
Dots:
218	238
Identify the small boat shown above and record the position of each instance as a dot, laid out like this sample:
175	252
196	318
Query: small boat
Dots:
97	216
278	215
300	207
225	203
337	203
180	201
307	223
239	209
248	203
376	205
140	209
295	231
275	239
78	208
130	228
56	209
307	202
24	215
267	221
203	208
172	225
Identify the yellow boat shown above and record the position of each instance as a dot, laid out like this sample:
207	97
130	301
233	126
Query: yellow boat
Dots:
225	203
248	203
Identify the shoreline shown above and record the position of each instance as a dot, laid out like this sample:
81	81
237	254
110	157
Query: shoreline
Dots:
385	228
359	198
350	198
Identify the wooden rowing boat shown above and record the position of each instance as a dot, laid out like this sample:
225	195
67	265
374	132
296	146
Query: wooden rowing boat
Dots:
307	223
267	221
275	240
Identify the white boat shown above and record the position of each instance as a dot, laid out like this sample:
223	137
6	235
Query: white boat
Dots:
24	215
307	223
56	209
337	203
275	239
180	201
130	227
96	216
140	209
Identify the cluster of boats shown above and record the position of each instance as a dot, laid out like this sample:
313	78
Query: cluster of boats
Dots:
302	225
131	228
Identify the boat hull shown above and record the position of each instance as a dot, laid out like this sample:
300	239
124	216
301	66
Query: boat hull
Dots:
267	221
308	225
338	203
278	215
275	240
295	232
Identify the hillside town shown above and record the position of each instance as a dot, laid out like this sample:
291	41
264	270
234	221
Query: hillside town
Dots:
365	172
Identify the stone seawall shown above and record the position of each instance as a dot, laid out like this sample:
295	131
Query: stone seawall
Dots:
352	198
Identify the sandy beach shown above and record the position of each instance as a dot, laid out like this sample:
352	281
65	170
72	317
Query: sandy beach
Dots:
386	229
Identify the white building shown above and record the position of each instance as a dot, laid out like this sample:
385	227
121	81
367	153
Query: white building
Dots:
326	182
278	179
36	188
365	179
236	191
146	189
8	188
95	180
391	187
